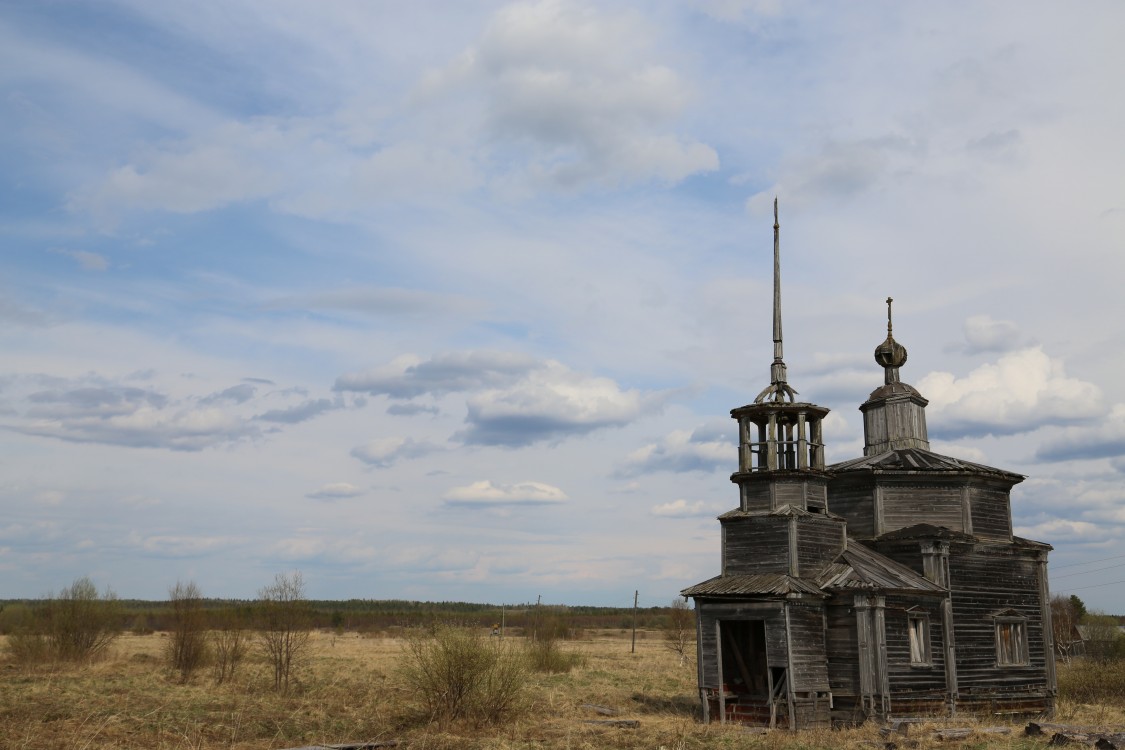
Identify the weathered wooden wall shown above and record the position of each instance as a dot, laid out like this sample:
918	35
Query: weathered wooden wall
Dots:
710	612
907	504
854	501
915	690
991	512
819	540
758	547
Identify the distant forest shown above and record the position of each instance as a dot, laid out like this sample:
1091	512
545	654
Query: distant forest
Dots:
372	615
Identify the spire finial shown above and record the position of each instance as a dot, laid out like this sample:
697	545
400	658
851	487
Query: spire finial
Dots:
890	354
778	388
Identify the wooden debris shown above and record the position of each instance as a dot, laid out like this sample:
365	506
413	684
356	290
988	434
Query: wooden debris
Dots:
619	723
603	710
1063	734
351	746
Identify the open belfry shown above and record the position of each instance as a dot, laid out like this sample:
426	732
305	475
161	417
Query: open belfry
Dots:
889	585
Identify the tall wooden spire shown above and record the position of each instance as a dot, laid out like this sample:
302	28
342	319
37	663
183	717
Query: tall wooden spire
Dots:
778	389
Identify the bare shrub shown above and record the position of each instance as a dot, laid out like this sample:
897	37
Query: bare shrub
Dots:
228	644
186	649
1104	640
544	655
1089	681
458	674
78	623
679	629
284	625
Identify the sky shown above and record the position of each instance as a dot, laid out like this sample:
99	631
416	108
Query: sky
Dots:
451	300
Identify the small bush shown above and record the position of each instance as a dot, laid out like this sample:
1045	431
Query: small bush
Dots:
284	625
228	644
186	650
28	647
544	655
1092	681
458	674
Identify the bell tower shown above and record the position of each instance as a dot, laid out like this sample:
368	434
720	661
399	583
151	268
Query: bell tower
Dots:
781	441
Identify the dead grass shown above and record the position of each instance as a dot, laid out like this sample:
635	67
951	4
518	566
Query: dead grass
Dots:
350	692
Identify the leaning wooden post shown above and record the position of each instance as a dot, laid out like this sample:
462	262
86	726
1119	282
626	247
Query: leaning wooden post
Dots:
636	593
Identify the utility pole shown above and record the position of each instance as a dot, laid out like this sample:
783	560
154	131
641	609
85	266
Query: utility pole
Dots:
636	593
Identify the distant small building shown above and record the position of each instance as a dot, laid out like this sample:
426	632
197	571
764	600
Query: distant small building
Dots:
887	585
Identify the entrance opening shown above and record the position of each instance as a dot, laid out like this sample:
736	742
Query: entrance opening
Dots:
744	658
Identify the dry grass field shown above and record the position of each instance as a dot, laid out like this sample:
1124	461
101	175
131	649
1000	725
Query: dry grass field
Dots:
349	690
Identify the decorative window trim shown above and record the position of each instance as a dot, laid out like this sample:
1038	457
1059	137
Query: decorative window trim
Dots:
918	636
1011	641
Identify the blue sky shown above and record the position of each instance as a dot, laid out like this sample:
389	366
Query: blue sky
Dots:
452	300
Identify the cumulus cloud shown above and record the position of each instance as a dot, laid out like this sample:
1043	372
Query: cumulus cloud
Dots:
708	448
335	491
553	93
841	169
97	409
409	376
237	394
576	89
1105	439
300	412
682	509
386	452
1064	530
984	334
513	400
1020	392
488	492
549	403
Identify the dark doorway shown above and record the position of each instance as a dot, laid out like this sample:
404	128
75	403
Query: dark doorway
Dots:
745	671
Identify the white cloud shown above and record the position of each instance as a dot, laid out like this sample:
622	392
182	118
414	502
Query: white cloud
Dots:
1061	529
386	452
1021	392
1104	439
87	260
335	491
574	87
487	492
550	403
167	545
235	162
93	408
408	375
682	509
984	334
381	301
513	399
710	448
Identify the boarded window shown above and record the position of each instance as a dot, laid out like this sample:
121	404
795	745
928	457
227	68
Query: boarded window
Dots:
1011	642
919	629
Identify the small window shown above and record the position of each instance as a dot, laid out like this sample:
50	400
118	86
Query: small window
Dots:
919	629
1011	642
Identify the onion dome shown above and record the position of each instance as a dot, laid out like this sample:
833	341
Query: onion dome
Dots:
890	354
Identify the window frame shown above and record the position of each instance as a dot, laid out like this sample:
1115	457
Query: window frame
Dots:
918	622
1004	654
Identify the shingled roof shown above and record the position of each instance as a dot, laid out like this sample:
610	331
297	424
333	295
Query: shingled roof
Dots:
918	460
